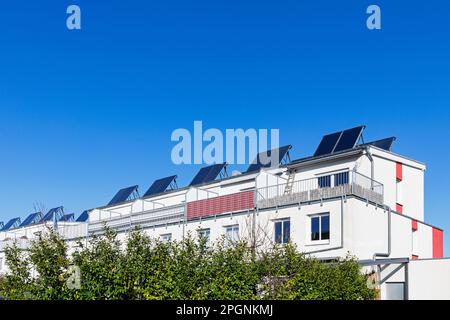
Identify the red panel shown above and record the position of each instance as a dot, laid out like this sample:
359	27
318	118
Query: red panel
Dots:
414	257
399	208
414	225
229	203
399	171
438	243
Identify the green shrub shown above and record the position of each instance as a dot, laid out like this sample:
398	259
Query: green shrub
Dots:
146	269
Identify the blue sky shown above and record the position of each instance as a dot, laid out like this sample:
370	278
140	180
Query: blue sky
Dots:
84	113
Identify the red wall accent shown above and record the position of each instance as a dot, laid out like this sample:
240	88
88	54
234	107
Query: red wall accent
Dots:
399	208
438	243
399	171
222	204
414	225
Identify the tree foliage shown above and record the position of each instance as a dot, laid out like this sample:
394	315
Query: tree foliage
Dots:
142	268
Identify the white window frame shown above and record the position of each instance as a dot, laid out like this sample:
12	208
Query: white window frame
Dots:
206	232
234	231
282	230
164	237
309	233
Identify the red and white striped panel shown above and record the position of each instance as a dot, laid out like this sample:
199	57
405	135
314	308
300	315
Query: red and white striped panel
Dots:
222	204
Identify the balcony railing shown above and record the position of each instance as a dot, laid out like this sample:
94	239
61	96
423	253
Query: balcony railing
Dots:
21	243
230	203
160	216
336	185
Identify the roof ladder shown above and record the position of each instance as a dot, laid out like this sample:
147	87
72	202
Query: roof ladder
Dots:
289	183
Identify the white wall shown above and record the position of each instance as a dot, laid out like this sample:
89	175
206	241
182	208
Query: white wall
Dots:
429	279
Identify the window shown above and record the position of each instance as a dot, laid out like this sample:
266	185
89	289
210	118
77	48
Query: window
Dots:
340	179
166	237
205	233
324	182
232	233
282	231
320	227
395	290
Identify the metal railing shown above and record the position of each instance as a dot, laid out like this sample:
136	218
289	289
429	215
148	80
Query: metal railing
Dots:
319	188
144	219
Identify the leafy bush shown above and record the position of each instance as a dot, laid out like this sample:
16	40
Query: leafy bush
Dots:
146	269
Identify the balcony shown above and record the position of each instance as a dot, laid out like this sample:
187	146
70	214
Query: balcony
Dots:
143	219
21	243
320	188
235	202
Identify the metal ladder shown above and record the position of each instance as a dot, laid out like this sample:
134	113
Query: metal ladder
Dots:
289	183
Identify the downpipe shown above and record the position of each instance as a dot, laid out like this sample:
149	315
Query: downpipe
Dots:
372	168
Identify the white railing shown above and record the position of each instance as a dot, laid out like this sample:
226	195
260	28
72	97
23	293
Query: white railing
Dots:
72	231
334	185
160	216
21	243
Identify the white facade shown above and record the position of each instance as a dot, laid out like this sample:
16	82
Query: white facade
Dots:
351	198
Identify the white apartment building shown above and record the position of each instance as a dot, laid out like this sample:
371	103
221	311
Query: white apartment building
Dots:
350	197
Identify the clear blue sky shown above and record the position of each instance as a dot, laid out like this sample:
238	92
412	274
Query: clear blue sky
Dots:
84	113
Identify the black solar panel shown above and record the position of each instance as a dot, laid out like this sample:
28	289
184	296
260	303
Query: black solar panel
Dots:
327	144
123	195
261	162
160	185
68	217
349	139
83	217
32	219
208	174
11	224
53	214
385	144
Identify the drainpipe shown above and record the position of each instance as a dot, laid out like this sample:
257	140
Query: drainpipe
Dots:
388	253
372	169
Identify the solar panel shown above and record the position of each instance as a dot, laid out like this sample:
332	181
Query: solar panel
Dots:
53	214
327	144
32	219
207	174
385	144
349	139
124	195
11	224
258	163
68	217
83	217
160	185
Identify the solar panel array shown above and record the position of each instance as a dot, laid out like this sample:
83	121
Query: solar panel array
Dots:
264	159
339	141
83	217
208	174
11	224
33	218
330	143
53	214
160	185
123	195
